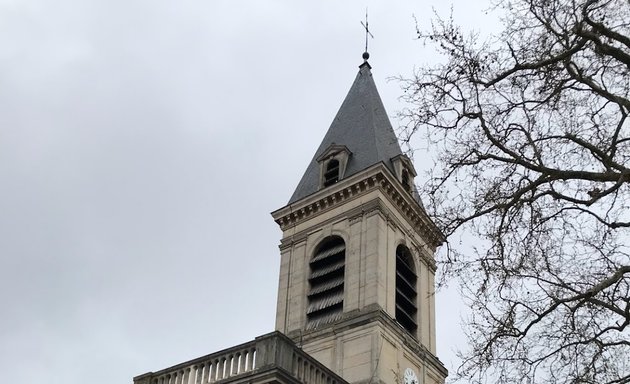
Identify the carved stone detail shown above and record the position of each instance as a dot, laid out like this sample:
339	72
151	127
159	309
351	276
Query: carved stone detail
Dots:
412	211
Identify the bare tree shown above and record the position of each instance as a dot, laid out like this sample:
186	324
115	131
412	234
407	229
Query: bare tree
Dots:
534	158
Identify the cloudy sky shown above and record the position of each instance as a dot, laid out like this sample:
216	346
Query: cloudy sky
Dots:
143	144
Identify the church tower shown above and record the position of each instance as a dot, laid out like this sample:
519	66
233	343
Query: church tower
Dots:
356	294
356	287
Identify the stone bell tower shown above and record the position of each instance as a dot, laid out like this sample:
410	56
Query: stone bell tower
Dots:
356	286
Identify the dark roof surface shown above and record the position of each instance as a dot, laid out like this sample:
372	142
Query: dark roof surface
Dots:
361	125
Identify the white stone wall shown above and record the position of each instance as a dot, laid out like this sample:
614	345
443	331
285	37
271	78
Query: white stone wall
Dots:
369	350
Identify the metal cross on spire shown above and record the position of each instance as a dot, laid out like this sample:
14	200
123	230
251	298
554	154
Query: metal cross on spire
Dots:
366	55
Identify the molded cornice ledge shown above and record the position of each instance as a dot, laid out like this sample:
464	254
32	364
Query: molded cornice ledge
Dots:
377	176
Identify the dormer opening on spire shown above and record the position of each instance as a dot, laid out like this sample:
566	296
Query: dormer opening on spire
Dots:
405	180
404	171
331	176
332	164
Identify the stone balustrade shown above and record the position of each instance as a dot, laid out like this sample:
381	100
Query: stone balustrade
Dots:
265	354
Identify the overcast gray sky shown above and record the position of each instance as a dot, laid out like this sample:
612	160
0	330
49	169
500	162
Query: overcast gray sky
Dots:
143	144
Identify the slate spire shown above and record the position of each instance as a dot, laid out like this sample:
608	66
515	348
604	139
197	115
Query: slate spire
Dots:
362	126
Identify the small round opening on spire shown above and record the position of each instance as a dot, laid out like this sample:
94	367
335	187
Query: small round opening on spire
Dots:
366	55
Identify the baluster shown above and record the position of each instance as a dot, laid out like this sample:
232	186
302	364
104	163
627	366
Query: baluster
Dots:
186	378
222	368
209	371
244	359
233	365
237	363
202	373
238	358
213	370
226	367
194	375
190	374
216	366
250	358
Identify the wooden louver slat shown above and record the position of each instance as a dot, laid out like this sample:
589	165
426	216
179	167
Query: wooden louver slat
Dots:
333	251
327	285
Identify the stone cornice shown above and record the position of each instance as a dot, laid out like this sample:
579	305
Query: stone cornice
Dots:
375	206
372	178
353	215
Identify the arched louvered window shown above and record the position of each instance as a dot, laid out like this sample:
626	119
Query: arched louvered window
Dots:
406	289
326	281
331	176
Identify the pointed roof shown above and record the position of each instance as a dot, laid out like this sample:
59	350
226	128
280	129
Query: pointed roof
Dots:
363	127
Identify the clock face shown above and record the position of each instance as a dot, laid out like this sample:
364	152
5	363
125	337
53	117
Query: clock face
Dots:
410	377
